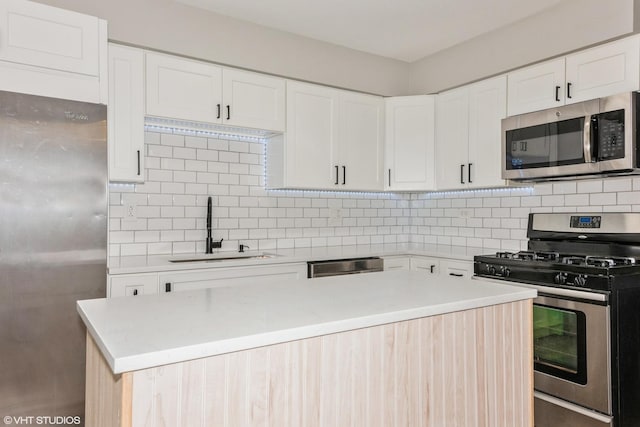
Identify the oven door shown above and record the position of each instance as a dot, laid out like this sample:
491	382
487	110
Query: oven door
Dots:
571	350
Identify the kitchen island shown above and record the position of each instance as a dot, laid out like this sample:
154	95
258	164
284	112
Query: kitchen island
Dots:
391	348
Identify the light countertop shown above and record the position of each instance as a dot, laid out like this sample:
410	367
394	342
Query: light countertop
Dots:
155	263
154	330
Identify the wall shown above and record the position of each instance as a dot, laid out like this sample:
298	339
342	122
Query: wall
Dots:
571	25
497	219
181	171
173	27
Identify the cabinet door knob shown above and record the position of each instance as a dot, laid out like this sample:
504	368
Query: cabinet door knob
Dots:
432	268
469	173
138	162
344	175
167	287
135	292
569	90
228	112
461	174
389	177
218	111
558	93
337	174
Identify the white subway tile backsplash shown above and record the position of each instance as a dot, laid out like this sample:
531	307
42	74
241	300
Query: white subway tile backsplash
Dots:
182	171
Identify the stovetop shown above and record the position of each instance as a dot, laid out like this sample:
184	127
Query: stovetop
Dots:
552	258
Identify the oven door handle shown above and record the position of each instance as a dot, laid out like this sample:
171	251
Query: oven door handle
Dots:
555	292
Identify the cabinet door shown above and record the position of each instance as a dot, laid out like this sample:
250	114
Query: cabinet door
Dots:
360	142
460	269
310	141
253	100
397	263
425	265
35	34
183	89
487	107
452	135
131	285
410	143
233	276
604	70
536	88
126	114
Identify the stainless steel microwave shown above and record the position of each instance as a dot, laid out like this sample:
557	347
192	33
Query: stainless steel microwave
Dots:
581	139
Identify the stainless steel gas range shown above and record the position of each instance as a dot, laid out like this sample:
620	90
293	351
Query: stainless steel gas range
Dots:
586	318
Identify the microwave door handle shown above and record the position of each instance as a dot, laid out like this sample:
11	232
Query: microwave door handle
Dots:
588	140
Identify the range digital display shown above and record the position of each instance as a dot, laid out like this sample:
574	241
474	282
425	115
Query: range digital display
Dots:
585	221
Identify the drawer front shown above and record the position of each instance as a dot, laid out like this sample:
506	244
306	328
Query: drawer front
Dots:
132	285
225	277
461	269
397	263
425	265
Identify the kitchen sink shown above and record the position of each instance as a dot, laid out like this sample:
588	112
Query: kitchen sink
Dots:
223	257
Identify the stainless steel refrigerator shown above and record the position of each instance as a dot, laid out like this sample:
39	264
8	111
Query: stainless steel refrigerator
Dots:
53	240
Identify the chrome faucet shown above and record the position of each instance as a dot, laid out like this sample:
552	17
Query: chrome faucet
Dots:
210	244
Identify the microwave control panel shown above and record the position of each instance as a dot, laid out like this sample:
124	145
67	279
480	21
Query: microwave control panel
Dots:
610	128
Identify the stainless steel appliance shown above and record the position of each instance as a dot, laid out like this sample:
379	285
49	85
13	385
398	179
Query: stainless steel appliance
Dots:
586	138
53	240
337	267
586	318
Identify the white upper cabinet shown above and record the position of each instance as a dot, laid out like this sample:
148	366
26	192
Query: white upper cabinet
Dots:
452	139
126	114
604	70
487	108
410	143
253	100
36	34
593	73
360	142
183	89
310	141
198	91
537	87
52	52
333	141
468	135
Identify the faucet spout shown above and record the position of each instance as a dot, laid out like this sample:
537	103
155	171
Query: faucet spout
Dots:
209	243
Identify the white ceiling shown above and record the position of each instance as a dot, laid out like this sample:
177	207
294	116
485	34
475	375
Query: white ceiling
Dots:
407	30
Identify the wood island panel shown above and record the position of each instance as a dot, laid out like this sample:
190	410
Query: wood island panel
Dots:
468	368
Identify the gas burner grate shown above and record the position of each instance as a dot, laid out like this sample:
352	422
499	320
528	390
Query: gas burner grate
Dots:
609	261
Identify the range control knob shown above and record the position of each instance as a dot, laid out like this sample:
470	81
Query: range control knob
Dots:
580	280
492	270
560	279
506	272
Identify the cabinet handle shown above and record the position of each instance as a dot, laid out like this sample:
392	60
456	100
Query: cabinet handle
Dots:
228	112
218	111
337	174
469	173
558	93
456	274
389	177
167	287
135	292
569	90
432	268
461	174
344	175
138	162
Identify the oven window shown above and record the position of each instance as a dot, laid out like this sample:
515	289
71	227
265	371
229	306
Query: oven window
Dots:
559	346
547	145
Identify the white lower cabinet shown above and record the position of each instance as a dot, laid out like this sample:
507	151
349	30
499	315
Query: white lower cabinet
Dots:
442	266
425	265
177	281
130	285
397	263
462	269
